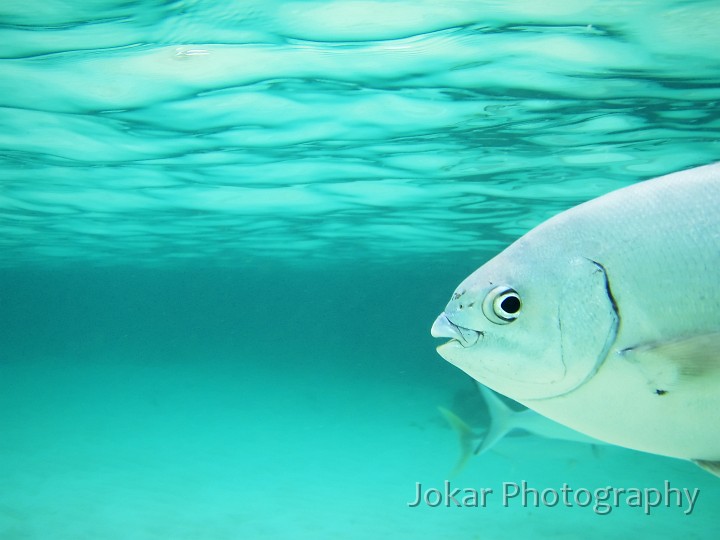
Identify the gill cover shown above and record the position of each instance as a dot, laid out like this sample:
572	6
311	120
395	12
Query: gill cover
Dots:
554	337
587	330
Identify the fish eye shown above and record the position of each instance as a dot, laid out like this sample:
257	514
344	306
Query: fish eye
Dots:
502	305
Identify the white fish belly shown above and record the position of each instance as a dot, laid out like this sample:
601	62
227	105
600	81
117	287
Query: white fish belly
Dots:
618	406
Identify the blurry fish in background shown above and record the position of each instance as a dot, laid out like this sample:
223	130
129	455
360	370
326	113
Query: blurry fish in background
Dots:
504	420
606	318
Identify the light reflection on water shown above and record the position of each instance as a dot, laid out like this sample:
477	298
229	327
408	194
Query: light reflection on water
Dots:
299	129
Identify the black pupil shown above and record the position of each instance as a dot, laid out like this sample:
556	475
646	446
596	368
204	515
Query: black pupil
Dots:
511	304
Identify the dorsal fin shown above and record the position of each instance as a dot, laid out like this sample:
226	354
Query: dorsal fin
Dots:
501	419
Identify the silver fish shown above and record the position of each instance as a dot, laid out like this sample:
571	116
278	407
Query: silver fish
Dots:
606	318
504	420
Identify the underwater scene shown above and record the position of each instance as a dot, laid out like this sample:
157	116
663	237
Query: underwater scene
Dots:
228	227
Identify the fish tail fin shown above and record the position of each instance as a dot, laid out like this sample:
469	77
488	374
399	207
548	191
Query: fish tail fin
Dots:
465	435
502	420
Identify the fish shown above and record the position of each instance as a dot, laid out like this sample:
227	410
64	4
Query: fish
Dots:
606	318
503	421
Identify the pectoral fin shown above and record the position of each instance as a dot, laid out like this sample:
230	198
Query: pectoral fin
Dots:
672	364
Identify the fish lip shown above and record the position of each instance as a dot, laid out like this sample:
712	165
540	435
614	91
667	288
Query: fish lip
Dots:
459	335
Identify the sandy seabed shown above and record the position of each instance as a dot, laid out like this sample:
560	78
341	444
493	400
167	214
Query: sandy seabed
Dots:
120	449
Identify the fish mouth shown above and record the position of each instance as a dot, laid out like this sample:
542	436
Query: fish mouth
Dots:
443	327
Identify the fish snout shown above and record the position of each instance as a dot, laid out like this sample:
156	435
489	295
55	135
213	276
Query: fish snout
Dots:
443	327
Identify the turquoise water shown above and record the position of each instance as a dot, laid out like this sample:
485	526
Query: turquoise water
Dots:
226	228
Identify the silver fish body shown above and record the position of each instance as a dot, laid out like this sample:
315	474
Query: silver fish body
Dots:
606	318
